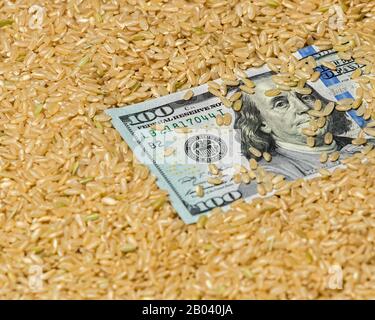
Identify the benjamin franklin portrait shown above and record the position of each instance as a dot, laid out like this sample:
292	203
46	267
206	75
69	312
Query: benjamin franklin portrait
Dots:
274	124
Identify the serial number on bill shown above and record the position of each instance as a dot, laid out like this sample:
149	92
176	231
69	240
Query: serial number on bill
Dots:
190	309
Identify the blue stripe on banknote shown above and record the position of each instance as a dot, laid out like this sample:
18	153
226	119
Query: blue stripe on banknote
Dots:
307	51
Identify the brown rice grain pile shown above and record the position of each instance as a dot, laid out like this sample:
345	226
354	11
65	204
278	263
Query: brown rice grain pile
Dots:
80	214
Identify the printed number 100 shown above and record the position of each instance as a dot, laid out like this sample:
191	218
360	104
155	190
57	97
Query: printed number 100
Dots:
218	201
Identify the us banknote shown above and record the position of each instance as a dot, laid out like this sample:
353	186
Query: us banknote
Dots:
179	139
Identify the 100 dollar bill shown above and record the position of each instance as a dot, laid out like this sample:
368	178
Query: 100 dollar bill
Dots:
179	139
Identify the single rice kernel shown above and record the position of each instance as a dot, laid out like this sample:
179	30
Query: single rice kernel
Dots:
329	108
219	120
252	174
283	87
261	189
199	190
309	132
202	221
268	186
188	95
247	89
310	141
223	89
245	178
357	103
345	101
315	76
248	83
253	164
334	156
359	141
213	169
329	65
237	178
321	122
315	113
214	85
242	169
303	90
343	107
227	119
240	73
215	92
231	83
277	179
226	102
237	105
129	247
235	96
272	92
323	157
318	105
267	156
328	138
214	181
255	152
324	172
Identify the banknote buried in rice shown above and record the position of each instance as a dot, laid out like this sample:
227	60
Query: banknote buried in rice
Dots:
245	137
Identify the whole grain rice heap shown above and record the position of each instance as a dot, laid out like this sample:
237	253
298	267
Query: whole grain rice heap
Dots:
80	218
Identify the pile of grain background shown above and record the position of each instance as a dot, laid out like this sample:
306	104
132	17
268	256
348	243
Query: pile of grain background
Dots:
79	212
